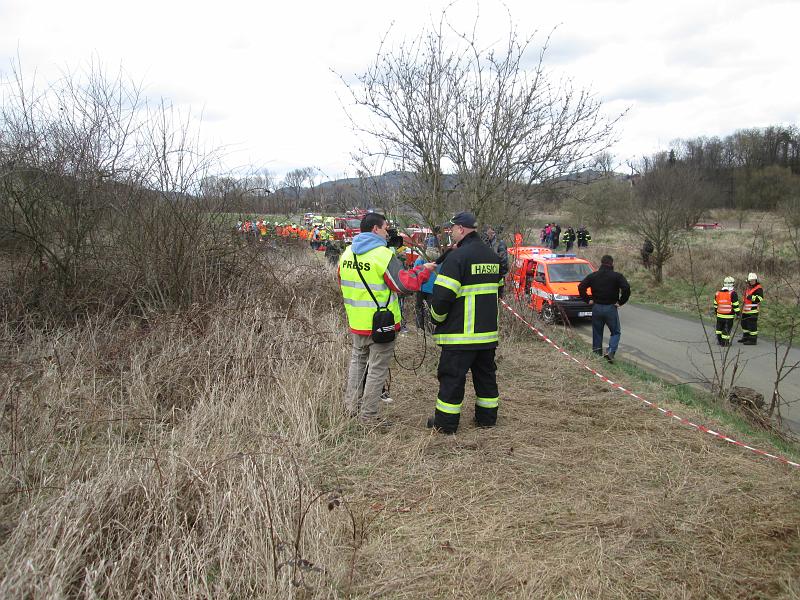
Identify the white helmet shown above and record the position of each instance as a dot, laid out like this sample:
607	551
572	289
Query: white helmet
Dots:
752	277
728	281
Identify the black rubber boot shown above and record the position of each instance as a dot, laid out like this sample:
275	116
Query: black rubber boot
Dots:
431	424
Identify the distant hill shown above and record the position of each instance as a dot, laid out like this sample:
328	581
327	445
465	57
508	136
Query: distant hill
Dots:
391	180
585	176
397	179
348	192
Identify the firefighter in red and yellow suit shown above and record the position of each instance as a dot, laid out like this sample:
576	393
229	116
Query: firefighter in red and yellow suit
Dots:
753	297
726	307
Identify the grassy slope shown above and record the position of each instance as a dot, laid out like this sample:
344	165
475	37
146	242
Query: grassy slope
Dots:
170	460
579	492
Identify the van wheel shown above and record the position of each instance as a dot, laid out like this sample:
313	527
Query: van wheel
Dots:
548	313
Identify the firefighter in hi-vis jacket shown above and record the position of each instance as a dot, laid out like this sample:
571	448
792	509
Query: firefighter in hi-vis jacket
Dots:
726	307
753	297
464	309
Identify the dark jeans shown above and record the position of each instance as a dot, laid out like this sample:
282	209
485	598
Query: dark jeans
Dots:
602	315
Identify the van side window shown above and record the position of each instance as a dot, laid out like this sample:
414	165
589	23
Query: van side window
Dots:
539	277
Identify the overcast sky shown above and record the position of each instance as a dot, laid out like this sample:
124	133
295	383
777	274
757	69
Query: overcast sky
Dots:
262	73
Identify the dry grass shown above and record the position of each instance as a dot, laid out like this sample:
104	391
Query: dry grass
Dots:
703	258
175	459
578	493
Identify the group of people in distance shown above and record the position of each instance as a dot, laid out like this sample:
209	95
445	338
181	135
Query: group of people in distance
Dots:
551	236
261	230
728	307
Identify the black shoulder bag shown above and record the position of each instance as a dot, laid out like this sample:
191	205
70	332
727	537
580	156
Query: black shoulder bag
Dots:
383	320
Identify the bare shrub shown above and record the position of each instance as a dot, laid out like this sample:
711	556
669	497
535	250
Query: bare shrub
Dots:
100	200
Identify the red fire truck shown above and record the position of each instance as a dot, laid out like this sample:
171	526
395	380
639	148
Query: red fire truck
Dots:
346	228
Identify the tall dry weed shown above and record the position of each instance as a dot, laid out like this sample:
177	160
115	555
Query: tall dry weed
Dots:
176	456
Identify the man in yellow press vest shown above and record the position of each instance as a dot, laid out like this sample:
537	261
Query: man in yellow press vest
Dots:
385	277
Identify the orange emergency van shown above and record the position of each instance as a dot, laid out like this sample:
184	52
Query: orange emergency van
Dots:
549	282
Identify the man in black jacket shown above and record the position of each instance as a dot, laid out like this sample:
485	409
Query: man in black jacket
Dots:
464	309
556	236
583	237
610	290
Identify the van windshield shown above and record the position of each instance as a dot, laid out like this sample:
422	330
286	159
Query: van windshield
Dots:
568	272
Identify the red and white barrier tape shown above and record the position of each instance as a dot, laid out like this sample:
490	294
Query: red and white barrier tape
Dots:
664	411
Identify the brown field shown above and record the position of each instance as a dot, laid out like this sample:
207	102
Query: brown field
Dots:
206	455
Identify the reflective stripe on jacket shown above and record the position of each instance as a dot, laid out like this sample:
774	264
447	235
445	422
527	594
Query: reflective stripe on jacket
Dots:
358	304
464	302
753	296
726	304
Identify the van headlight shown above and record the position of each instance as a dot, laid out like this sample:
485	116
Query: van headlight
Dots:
561	297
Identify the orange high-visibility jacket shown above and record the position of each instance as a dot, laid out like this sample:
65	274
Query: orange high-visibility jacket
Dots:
726	303
753	296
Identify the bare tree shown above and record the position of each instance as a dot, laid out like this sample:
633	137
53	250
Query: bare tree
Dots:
66	150
661	204
788	319
515	124
445	103
606	163
297	181
408	91
236	193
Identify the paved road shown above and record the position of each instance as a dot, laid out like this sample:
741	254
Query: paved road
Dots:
675	348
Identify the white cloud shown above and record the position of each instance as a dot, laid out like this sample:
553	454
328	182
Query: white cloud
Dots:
261	73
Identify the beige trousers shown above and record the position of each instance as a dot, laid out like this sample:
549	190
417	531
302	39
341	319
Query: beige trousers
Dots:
369	368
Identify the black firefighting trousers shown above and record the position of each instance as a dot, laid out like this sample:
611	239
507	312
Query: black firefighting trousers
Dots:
724	326
750	326
453	367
